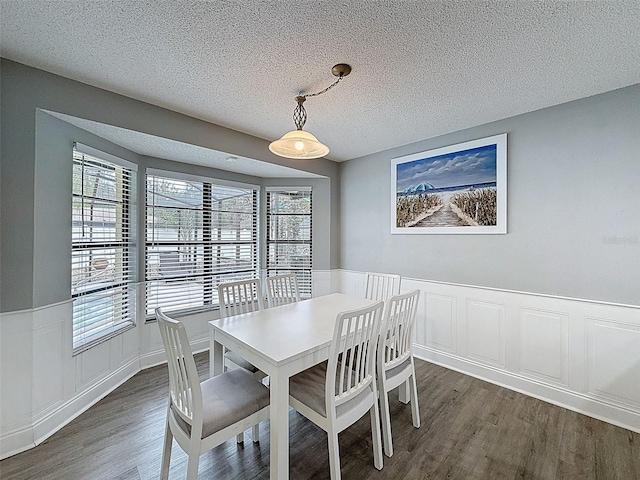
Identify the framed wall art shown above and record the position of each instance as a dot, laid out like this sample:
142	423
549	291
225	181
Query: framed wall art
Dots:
459	189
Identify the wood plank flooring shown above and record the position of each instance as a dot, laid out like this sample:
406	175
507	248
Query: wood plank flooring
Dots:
470	430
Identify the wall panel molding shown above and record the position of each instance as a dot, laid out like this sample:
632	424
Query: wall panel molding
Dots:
485	332
544	345
440	322
613	361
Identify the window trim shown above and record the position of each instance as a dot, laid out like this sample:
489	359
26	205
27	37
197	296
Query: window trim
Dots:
129	249
268	241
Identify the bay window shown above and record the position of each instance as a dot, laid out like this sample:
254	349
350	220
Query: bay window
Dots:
198	234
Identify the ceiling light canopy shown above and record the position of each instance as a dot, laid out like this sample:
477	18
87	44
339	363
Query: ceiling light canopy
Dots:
298	143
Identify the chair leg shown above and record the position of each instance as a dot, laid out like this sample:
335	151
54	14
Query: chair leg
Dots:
404	392
375	433
334	455
415	411
240	437
255	433
386	423
192	466
166	452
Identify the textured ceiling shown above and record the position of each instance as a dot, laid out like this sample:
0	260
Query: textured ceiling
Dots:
420	68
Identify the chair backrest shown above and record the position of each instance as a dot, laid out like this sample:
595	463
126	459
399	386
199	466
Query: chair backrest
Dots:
282	289
184	383
380	286
240	297
396	336
351	366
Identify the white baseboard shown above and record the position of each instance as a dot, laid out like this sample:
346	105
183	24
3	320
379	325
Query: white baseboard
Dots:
47	425
20	437
557	396
16	441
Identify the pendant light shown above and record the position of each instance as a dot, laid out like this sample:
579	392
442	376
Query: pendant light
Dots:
298	143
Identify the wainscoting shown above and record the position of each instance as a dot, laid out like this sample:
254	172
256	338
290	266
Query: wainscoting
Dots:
43	386
578	354
581	355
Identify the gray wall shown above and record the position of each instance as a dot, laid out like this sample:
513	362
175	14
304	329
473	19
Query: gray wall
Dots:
35	180
51	264
573	207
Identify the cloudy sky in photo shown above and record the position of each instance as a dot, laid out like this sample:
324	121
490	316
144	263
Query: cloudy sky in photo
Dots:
466	167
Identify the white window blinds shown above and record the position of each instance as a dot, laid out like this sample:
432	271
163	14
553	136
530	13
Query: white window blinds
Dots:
289	235
102	247
199	234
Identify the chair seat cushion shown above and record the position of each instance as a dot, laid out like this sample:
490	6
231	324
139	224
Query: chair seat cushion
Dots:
228	398
308	387
398	369
241	362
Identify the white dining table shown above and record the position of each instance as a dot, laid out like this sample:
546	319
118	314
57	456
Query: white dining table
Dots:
281	341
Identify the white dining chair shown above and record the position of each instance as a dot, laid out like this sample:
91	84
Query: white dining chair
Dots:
238	297
243	296
335	394
282	289
380	286
201	416
395	366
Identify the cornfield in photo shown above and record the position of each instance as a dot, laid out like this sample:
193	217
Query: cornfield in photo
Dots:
480	205
409	207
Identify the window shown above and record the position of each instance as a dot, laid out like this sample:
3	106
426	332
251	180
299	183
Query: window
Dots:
289	235
199	234
102	246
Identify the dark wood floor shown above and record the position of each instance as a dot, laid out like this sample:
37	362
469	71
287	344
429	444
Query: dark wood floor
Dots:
470	430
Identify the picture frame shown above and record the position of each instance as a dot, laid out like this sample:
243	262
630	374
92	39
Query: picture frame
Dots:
458	189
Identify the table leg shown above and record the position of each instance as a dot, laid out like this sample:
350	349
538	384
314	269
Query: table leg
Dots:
279	419
216	355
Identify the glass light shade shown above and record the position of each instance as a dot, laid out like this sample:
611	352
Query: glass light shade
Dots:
299	144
